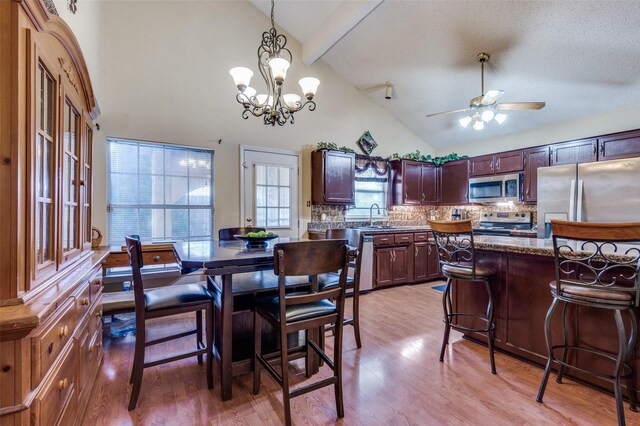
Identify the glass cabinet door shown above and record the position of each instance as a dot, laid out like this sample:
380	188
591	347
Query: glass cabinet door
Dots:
44	176
70	239
85	186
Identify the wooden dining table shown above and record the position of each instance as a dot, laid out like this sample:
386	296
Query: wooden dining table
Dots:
224	259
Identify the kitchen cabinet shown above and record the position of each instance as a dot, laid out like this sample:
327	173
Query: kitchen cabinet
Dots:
453	183
502	162
50	285
333	177
579	151
619	145
393	263
425	262
533	158
414	183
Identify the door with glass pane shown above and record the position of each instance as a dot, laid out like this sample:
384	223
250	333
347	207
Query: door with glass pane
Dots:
270	191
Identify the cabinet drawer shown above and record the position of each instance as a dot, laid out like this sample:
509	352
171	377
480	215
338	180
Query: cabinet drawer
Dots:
83	299
95	317
403	238
57	395
383	240
158	257
47	343
95	284
421	236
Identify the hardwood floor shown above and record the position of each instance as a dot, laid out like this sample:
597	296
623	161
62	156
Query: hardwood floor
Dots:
394	379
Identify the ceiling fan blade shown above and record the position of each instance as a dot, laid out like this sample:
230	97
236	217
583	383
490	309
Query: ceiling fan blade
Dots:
511	106
491	96
449	112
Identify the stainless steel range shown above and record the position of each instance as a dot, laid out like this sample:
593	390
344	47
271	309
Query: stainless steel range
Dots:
501	223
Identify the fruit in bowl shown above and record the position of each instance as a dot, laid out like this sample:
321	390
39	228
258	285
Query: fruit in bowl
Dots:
257	239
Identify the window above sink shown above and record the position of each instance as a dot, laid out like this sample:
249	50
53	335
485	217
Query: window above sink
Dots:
371	188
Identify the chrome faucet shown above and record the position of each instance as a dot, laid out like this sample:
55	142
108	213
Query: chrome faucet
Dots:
371	213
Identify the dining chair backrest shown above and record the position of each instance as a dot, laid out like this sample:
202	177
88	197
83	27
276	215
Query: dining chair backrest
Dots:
134	250
351	235
454	244
595	256
227	234
311	258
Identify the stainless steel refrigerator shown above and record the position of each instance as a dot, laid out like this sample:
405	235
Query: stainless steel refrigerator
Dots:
603	191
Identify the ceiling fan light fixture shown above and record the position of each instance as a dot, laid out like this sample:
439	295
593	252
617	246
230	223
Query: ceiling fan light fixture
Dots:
487	114
499	117
478	125
465	121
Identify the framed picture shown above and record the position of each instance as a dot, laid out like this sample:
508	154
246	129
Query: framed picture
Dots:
366	143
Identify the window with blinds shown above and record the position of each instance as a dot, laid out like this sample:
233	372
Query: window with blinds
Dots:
371	188
158	191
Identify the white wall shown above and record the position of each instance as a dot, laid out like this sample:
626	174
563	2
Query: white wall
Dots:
85	24
165	78
594	125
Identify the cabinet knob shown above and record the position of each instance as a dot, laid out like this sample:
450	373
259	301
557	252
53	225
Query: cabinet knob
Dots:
63	384
156	259
81	182
84	301
64	331
98	282
498	164
99	314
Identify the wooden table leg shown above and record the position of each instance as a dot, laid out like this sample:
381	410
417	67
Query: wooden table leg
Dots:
226	340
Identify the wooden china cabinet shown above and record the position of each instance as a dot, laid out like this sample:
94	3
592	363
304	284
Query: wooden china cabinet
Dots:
50	277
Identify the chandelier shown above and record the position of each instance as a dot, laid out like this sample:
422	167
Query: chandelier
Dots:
274	60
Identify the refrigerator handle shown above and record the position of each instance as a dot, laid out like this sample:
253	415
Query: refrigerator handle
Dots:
579	204
572	201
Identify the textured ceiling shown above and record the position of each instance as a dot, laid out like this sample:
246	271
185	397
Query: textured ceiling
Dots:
581	58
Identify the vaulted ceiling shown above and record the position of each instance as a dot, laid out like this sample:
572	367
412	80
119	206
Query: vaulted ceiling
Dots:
580	57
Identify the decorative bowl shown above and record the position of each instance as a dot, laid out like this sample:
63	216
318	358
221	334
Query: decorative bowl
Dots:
255	242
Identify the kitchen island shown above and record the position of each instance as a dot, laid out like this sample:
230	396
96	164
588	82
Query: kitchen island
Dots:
522	296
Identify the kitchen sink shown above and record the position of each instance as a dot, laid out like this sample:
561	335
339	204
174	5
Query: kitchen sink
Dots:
377	227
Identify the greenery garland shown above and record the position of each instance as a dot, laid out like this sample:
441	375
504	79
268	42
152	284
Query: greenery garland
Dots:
416	156
332	146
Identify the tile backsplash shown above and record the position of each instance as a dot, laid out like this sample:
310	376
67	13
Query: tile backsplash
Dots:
327	217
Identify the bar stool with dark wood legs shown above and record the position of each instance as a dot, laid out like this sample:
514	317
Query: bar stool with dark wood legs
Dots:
597	265
293	312
163	302
354	239
456	254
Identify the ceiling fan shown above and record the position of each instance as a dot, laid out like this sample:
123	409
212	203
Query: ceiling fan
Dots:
484	108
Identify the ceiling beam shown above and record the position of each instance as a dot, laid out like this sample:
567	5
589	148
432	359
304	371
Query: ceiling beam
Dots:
336	26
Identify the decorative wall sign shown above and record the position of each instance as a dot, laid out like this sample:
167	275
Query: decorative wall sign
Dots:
366	143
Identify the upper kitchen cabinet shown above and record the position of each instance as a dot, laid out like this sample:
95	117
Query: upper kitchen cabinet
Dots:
414	182
619	145
332	177
453	183
579	151
503	162
533	158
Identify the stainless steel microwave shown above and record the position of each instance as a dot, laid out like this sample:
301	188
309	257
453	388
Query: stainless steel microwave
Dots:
496	189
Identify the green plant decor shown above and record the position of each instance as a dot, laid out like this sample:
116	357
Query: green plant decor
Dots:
416	156
332	146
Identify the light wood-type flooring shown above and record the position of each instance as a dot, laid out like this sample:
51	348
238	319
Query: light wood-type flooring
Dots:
395	379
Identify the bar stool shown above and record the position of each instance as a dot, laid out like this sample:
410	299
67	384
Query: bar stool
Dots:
293	312
456	255
595	268
354	239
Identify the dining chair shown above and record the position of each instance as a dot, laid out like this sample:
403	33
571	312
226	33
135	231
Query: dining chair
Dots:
597	266
228	234
458	263
164	302
355	240
303	311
